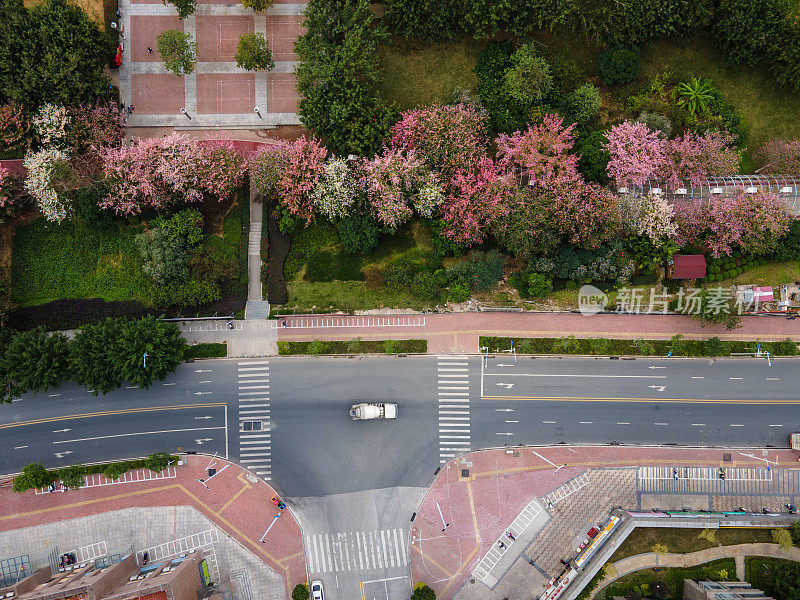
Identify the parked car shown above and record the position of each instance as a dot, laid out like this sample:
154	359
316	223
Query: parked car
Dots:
316	590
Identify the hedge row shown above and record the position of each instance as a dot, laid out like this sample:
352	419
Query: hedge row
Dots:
35	475
638	347
205	351
356	346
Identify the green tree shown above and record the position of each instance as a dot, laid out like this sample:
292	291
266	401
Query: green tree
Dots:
423	592
51	53
528	79
185	7
166	258
257	5
34	361
338	76
93	356
177	50
300	592
783	538
32	476
584	103
253	53
746	30
71	477
714	307
158	461
359	233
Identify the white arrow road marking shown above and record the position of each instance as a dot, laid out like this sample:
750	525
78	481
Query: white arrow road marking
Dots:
203	370
205	381
503	365
660	388
201	393
19	447
63	454
53	395
200	441
508	386
61	430
505	433
503	410
654	367
205	417
173	383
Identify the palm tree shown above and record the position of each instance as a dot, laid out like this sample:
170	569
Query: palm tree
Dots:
695	94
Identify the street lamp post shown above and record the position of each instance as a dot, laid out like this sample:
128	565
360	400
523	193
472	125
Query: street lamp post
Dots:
144	360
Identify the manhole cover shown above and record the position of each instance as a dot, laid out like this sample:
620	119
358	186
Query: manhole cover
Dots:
465	473
726	457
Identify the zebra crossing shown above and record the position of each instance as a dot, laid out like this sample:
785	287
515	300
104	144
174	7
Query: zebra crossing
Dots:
706	479
569	488
454	412
255	447
356	550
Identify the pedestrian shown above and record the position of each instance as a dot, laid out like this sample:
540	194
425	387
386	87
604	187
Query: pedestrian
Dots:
230	324
511	537
149	49
502	545
130	109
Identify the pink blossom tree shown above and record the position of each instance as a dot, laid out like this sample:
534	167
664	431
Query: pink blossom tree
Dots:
478	198
542	152
637	153
6	181
752	222
585	213
305	161
157	172
93	126
782	156
695	158
446	138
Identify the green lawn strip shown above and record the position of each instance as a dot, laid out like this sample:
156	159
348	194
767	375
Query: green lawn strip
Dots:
769	110
683	541
606	346
354	347
427	74
348	296
717	570
208	350
68	260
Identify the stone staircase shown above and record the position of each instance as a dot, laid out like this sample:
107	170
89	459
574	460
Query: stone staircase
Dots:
256	307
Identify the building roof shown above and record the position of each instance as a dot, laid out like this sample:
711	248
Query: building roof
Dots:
689	266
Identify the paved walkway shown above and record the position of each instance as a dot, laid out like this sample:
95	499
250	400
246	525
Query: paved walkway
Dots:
483	495
236	502
738	552
459	332
256	308
246	338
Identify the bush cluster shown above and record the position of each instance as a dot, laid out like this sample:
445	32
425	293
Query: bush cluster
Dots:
619	65
357	346
207	350
678	345
34	475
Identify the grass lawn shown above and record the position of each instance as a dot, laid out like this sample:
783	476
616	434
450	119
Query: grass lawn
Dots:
425	74
773	273
69	260
347	296
769	110
92	8
682	541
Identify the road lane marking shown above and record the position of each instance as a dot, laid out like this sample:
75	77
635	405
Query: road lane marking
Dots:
173	383
19	447
773	378
778	425
698	424
586	422
736	425
548	422
623	423
110	412
581	375
694	377
661	424
641	399
737	378
117	435
512	421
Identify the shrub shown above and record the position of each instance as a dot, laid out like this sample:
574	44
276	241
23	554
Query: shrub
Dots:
678	346
207	350
425	286
794	531
185	225
584	103
423	592
528	77
459	291
783	538
656	122
71	477
539	286
567	345
354	345
593	155
716	347
189	293
33	476
391	347
600	346
317	347
619	65
644	347
785	347
359	233
114	470
185	7
300	592
165	258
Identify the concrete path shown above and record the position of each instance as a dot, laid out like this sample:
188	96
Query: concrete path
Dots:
738	552
459	332
256	307
244	338
237	502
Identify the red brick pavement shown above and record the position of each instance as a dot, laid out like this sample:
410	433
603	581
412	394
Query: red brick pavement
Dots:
458	332
239	507
480	507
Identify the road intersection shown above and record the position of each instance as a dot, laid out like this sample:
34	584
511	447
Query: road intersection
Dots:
354	485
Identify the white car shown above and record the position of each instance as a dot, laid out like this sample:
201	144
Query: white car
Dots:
316	590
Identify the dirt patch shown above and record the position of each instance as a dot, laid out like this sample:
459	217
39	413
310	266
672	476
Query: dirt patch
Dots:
92	8
214	213
7	230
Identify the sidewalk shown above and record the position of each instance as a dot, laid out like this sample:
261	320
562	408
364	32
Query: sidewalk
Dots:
237	502
483	493
459	332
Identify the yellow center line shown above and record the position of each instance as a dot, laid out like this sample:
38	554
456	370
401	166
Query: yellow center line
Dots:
111	412
643	400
